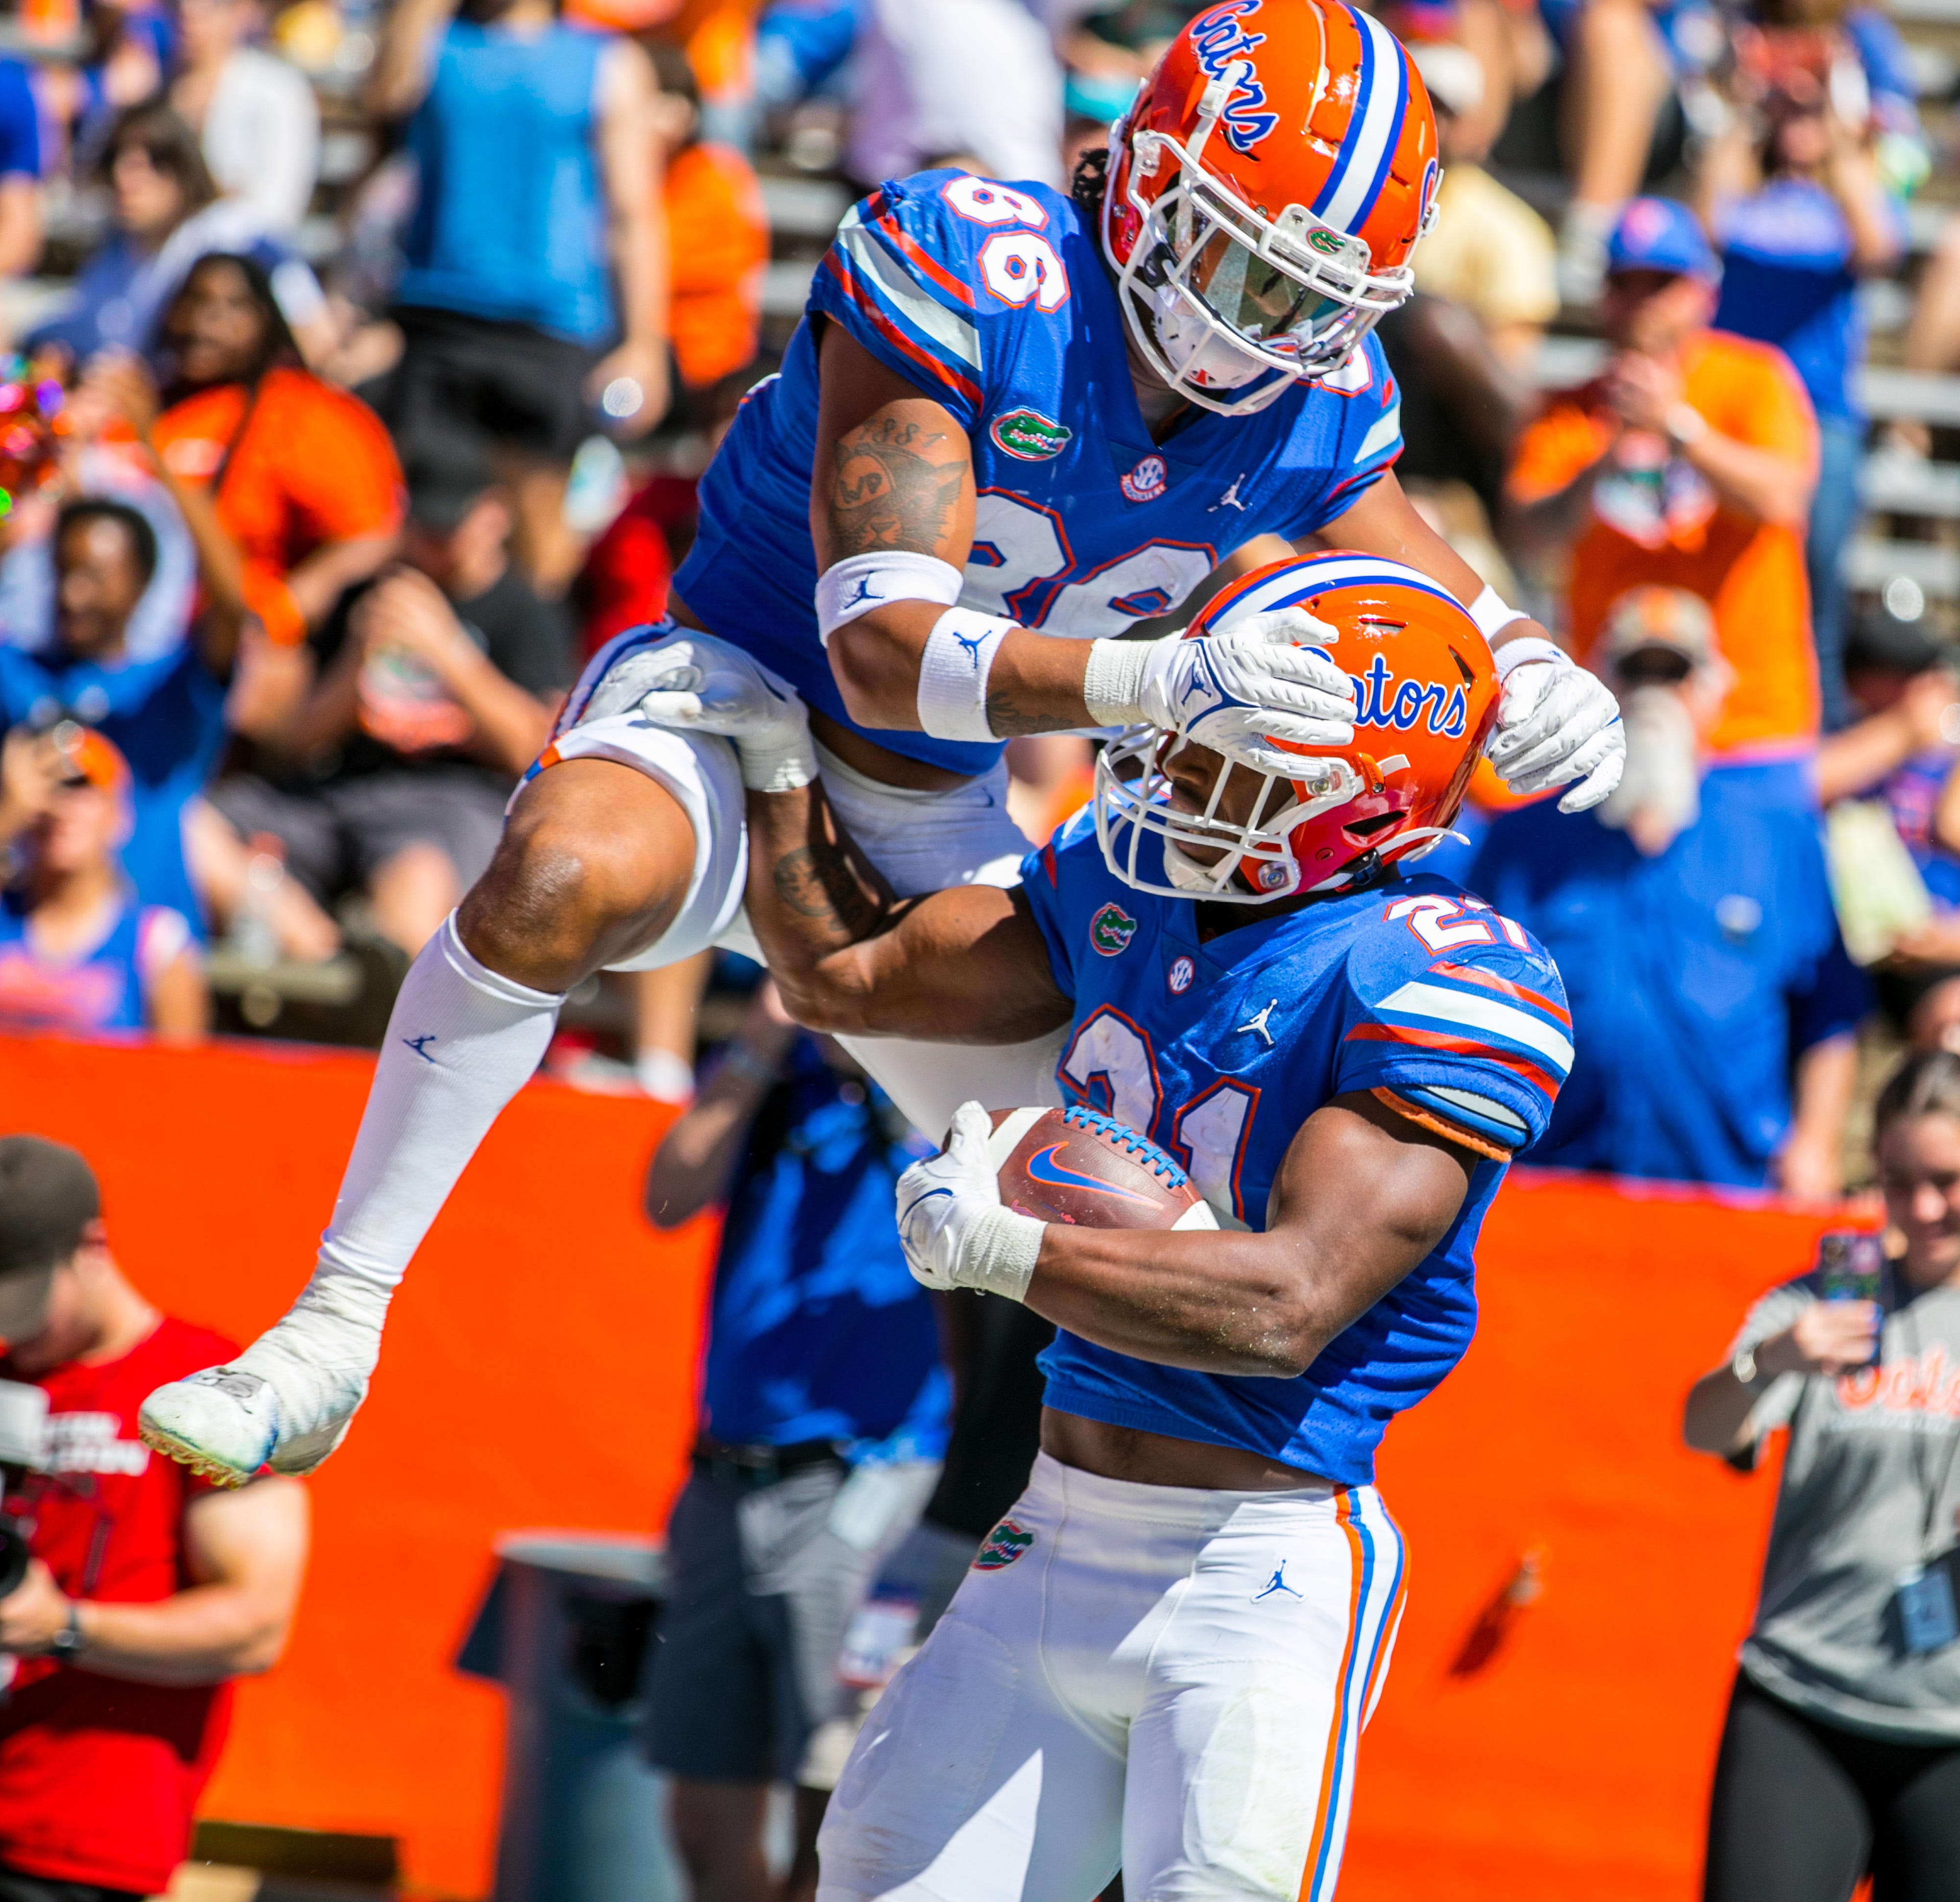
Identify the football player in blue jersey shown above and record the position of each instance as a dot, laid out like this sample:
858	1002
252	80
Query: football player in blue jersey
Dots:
1163	1656
1008	415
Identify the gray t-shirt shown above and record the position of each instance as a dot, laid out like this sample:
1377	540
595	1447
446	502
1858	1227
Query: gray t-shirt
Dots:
1866	1452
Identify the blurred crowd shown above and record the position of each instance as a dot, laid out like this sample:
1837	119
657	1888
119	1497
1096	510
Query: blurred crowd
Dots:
363	361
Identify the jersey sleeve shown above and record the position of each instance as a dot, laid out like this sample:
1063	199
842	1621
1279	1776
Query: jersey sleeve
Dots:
1367	438
1458	1018
1057	882
899	278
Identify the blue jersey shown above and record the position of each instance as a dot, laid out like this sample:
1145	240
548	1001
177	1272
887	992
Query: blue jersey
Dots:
1699	975
166	716
994	299
817	1330
1787	279
1220	1051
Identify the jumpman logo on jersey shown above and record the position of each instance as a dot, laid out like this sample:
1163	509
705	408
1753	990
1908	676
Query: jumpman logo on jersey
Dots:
865	592
1230	498
418	1043
1258	1023
1278	1583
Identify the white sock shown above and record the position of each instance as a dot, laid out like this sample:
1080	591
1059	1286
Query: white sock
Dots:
462	1041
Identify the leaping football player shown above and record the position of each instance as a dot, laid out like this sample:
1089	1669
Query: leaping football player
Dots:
1008	415
1164	1655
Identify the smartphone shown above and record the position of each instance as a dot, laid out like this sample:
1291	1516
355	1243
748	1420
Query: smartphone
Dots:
1850	1266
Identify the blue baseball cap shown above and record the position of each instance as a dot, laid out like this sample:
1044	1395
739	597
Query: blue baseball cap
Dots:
1660	234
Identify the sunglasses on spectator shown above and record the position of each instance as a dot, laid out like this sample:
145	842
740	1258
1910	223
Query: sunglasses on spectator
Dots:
1655	667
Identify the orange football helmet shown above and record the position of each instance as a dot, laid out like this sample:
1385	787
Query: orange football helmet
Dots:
1426	694
1265	193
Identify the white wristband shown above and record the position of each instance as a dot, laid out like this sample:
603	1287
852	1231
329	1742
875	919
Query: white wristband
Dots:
953	674
998	1253
1112	683
1491	612
859	583
1513	654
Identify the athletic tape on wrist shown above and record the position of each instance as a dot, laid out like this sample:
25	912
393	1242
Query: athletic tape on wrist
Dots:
859	583
1492	613
953	674
1513	654
1112	682
999	1253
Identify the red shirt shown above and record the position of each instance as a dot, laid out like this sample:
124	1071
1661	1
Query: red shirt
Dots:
98	1777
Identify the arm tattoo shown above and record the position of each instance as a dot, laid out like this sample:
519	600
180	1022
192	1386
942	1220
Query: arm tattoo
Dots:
1007	717
894	484
820	883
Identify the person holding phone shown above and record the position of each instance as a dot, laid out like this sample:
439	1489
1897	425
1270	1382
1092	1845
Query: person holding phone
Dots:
1841	1756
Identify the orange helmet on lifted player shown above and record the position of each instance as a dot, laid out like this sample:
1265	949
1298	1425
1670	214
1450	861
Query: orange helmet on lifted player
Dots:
1426	699
1265	193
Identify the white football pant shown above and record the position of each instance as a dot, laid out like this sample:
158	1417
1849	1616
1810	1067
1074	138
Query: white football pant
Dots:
1171	1680
920	841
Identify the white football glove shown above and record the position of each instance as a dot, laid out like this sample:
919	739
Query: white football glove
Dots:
1232	692
1556	724
954	1231
695	683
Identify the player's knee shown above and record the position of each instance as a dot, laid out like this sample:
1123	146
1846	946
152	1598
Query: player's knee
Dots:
584	875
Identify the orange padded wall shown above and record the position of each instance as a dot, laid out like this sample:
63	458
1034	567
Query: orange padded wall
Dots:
1564	1748
539	1371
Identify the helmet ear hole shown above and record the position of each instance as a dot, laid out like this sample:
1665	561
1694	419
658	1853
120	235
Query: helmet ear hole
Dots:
1463	666
1375	822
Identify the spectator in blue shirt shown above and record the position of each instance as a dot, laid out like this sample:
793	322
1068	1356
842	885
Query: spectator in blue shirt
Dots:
79	952
1801	215
1713	1003
824	1409
20	172
165	714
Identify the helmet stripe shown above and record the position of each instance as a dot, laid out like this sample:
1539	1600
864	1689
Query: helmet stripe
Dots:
1372	130
1393	60
1302	578
1364	73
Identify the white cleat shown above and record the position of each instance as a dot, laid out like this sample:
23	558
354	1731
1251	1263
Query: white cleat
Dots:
285	1402
224	1424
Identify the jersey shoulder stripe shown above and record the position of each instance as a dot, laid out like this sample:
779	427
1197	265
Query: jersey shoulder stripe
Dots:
1464	1009
864	284
1505	987
1462	1017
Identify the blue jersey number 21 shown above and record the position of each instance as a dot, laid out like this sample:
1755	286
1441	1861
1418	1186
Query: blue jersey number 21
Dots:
1110	1066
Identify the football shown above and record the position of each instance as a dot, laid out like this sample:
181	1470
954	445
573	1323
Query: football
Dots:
1079	1166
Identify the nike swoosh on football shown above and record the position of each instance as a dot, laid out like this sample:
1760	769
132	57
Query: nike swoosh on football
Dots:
1042	1168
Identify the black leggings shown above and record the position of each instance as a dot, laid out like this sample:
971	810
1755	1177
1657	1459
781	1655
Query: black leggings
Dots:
1802	1810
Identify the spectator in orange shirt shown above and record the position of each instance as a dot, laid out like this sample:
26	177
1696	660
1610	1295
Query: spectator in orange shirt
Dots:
1688	464
717	233
303	475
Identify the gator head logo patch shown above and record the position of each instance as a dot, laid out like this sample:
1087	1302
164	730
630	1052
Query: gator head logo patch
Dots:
1111	930
1030	435
1005	1543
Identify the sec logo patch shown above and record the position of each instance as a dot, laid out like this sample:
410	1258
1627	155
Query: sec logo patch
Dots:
1005	1543
1147	481
1111	930
1181	972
